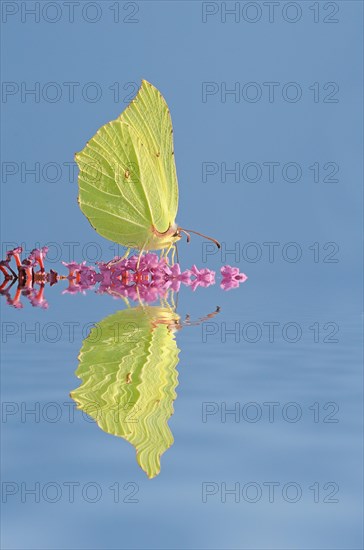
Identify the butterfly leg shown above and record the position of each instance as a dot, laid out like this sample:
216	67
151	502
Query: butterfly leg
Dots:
167	253
174	252
171	247
139	298
141	254
164	254
173	304
116	262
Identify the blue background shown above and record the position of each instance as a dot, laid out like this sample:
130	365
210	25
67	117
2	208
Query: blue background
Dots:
173	48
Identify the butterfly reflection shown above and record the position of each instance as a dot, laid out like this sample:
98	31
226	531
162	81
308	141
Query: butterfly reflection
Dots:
128	371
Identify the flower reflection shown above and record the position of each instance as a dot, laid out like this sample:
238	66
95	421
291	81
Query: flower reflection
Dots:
144	277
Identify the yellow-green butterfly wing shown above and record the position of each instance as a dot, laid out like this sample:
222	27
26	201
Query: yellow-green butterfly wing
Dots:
128	370
128	185
149	115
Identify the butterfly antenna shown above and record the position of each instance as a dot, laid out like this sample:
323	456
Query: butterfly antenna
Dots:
188	322
188	231
185	232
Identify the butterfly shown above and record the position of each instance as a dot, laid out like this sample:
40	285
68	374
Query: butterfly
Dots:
128	186
128	371
129	381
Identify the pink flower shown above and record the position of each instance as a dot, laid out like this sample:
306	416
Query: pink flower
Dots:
73	267
229	272
131	263
150	293
37	299
149	262
87	277
38	256
228	284
16	254
206	276
144	277
231	277
17	250
116	262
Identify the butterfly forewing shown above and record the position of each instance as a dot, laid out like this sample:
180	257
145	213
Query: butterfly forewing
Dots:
149	115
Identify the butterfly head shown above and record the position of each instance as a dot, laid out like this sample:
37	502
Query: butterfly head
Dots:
165	239
172	235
